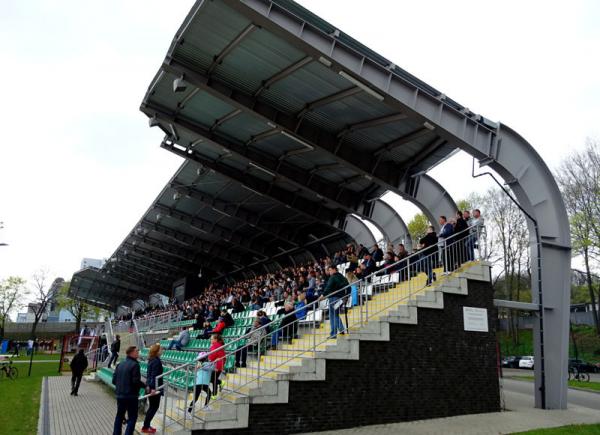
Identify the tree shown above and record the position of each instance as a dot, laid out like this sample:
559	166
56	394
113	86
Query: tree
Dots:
42	294
80	310
507	230
579	181
12	296
417	227
464	204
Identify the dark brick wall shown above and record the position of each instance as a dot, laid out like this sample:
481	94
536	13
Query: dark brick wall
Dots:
433	369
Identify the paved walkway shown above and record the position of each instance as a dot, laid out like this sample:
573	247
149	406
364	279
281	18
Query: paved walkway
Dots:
92	412
520	416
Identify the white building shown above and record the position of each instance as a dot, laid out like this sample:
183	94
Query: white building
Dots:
92	262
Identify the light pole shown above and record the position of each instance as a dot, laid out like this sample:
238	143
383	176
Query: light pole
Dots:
2	226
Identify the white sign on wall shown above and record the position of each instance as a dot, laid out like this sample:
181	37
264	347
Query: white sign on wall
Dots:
476	319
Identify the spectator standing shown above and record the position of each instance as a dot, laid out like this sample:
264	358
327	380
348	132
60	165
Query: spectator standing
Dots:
128	380
335	282
29	347
377	253
78	366
446	231
461	234
428	249
115	348
217	356
153	386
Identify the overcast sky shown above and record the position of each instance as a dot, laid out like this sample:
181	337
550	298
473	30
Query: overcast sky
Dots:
79	164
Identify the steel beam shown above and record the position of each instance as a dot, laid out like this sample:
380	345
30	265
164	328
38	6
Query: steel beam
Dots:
310	183
151	255
177	251
388	221
195	243
290	200
226	234
369	123
266	84
359	231
430	196
240	214
229	47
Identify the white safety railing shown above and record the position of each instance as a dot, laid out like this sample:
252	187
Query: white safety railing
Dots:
261	354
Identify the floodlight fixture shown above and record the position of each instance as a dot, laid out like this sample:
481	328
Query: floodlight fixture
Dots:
179	84
153	122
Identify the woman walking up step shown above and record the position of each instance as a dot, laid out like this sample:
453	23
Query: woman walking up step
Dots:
155	368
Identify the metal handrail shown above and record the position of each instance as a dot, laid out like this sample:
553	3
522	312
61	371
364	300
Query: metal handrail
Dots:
339	291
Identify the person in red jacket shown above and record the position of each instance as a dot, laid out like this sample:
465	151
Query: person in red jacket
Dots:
218	357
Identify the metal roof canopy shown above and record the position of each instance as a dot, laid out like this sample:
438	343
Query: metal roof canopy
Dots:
296	113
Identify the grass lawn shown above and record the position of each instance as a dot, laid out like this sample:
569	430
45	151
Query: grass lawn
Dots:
579	429
38	356
20	399
595	386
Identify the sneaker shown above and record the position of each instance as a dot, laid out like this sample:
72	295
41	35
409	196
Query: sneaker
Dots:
152	429
208	407
213	397
148	430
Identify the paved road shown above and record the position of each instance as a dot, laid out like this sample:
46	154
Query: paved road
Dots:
576	397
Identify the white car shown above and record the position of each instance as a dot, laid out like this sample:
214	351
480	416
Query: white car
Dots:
526	362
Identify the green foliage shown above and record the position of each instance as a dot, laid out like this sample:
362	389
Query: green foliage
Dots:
417	227
580	294
588	343
12	296
80	310
465	204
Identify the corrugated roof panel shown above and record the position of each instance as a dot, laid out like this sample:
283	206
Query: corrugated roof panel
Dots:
310	83
256	58
277	145
205	109
208	35
243	126
354	109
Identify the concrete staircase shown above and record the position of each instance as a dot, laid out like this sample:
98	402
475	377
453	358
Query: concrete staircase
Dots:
306	358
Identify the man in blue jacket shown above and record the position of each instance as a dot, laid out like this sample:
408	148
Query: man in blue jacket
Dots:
128	380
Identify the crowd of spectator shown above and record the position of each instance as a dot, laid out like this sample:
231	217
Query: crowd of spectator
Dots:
300	285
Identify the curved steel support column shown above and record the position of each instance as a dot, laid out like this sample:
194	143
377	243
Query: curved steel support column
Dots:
529	178
391	225
356	229
429	195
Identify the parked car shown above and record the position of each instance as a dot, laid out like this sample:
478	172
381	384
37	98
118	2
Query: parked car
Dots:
526	362
583	366
511	362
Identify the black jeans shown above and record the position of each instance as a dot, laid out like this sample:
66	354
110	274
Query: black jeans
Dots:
154	402
199	389
75	381
131	407
113	358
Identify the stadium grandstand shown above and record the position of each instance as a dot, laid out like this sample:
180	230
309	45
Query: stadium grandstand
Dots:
291	131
